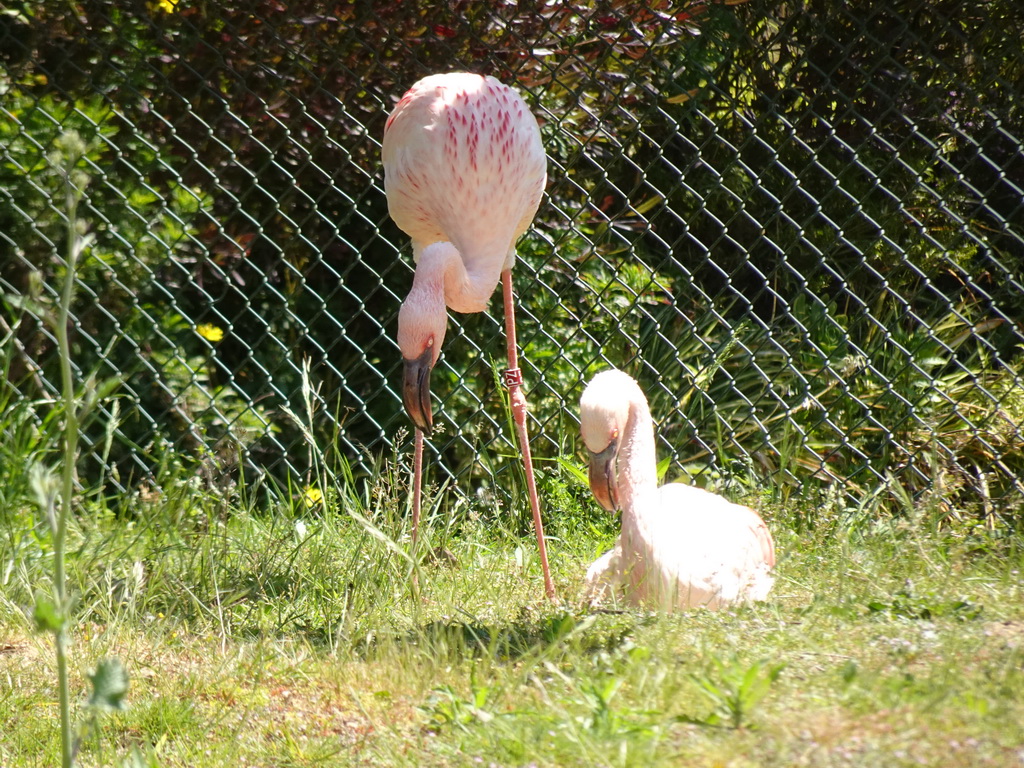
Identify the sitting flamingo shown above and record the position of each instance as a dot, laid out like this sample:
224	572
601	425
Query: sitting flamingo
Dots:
680	546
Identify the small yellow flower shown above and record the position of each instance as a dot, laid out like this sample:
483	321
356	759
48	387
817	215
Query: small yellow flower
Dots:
167	6
313	496
210	332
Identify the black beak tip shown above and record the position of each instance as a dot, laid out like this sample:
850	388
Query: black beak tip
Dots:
416	392
424	425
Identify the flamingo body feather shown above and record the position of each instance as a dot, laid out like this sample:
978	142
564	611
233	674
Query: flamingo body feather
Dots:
464	164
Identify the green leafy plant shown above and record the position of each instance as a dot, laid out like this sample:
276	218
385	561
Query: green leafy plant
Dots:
905	603
735	689
608	720
446	708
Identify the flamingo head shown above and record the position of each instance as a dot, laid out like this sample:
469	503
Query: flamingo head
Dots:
604	413
422	322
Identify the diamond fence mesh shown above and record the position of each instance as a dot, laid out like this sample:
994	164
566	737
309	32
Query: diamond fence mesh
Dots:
800	225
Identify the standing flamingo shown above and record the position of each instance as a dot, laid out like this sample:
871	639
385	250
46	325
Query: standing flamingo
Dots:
680	546
464	171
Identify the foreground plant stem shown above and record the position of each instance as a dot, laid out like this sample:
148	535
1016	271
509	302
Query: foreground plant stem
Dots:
68	474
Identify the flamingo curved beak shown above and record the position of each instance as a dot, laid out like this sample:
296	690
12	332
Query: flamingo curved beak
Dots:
416	390
603	475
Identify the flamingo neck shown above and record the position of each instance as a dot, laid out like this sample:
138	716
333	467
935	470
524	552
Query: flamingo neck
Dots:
637	462
441	271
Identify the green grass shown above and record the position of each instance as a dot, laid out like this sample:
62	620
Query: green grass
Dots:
260	632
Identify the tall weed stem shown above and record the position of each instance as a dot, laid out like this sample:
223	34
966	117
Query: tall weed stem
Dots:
72	149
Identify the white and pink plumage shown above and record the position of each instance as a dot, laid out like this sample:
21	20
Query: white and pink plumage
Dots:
681	547
464	172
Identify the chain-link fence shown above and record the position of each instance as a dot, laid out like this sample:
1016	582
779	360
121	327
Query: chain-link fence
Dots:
798	224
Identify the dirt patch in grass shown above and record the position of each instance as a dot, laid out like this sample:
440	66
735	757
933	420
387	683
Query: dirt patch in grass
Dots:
890	737
1011	633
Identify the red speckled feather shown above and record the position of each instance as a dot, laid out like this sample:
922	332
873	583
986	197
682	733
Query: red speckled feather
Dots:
464	163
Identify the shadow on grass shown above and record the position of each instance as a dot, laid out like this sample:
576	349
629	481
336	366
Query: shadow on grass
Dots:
452	639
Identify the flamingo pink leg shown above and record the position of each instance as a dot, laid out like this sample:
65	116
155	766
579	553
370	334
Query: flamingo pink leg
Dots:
517	401
417	494
417	484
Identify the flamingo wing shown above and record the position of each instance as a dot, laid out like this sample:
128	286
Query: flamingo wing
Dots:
707	550
464	163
